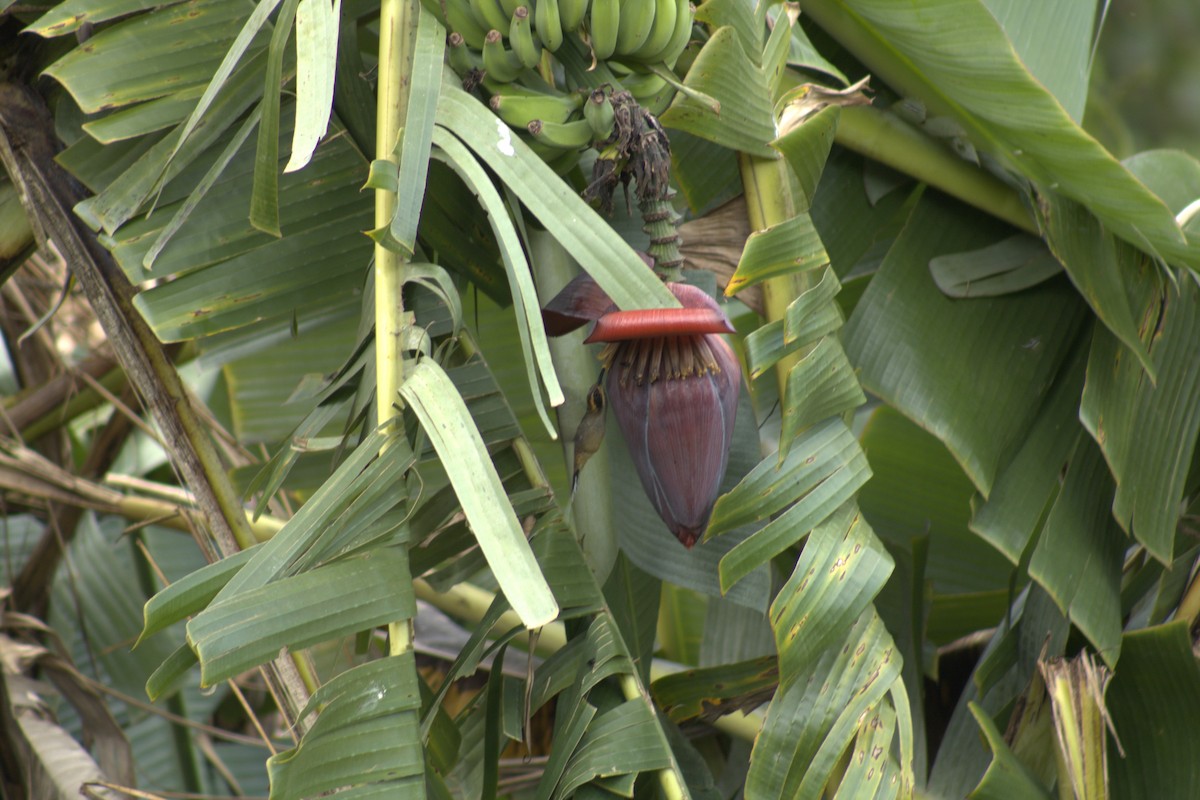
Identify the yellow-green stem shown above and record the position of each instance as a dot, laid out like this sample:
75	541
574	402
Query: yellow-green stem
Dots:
397	21
769	201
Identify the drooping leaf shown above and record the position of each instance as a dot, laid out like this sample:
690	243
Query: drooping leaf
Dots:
1102	268
364	735
354	507
803	54
150	55
791	246
1079	555
1009	517
316	57
144	118
520	278
915	346
250	627
165	160
1148	432
741	17
821	384
809	317
67	17
723	71
191	593
839	573
872	772
250	31
770	488
229	275
621	741
1174	175
1055	42
806	148
446	421
810	722
425	80
264	196
836	474
206	183
599	250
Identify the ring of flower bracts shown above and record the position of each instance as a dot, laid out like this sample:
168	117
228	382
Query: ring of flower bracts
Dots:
672	383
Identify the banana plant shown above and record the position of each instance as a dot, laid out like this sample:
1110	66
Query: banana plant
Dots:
961	448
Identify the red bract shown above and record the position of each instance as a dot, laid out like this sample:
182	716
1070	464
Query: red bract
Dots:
672	384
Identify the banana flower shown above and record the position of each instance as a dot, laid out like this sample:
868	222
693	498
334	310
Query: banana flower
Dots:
672	384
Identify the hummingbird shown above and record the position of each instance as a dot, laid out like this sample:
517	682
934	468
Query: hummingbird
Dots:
590	432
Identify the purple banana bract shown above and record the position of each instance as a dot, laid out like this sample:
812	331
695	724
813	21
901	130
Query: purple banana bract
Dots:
672	383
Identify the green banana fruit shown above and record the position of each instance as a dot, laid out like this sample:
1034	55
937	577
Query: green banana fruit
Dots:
571	13
463	58
499	63
460	18
520	38
603	25
680	34
656	102
490	15
510	6
665	13
548	23
519	108
563	136
642	84
600	115
637	21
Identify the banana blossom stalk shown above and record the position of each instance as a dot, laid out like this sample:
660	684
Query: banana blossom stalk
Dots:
672	383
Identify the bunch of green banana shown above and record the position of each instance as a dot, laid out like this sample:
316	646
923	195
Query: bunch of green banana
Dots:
514	50
650	32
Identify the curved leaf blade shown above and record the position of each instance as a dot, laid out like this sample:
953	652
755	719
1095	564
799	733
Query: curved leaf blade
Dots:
250	628
316	56
914	345
724	71
811	721
842	569
425	82
520	277
444	416
1148	432
601	252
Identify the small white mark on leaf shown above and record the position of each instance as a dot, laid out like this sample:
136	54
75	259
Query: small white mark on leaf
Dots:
504	145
